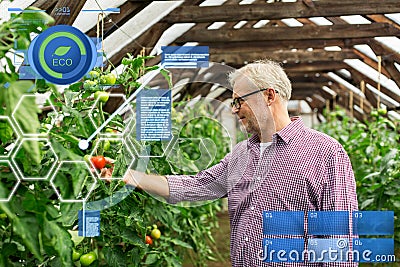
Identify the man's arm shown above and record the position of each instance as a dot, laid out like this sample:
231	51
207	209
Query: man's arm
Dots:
339	194
206	185
340	186
152	183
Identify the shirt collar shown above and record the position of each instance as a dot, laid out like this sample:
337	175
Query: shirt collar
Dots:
291	130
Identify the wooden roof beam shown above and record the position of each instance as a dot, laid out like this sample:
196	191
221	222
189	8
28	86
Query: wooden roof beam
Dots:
287	56
320	66
281	10
394	74
268	45
45	4
384	89
306	32
383	50
127	10
370	62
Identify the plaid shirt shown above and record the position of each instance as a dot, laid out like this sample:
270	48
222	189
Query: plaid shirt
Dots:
302	170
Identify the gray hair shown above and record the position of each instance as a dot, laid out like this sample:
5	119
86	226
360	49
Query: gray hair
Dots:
265	74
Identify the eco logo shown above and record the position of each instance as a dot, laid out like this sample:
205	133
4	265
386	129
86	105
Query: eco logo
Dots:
62	54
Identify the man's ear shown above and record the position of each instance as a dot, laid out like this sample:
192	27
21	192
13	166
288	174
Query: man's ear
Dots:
270	96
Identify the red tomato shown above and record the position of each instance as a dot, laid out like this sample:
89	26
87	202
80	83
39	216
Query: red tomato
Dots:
149	240
99	162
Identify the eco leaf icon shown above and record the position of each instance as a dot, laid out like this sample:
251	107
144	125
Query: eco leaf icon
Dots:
62	50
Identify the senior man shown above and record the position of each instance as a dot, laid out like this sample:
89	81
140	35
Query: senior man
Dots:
283	166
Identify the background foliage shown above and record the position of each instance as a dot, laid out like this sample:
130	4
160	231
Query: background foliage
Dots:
373	148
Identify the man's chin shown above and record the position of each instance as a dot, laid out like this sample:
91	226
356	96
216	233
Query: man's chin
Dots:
245	128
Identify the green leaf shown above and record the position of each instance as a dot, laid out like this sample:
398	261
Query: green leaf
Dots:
151	258
26	116
69	213
28	228
371	175
75	237
60	241
8	249
6	132
62	50
132	237
366	203
181	243
114	257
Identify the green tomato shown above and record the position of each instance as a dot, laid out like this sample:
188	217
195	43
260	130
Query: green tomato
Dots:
110	78
155	233
75	255
382	111
87	259
102	96
374	113
106	145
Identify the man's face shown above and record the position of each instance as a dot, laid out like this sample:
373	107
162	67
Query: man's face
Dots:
248	108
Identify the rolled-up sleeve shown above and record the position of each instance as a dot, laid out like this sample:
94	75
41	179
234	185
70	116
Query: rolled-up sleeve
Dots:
205	185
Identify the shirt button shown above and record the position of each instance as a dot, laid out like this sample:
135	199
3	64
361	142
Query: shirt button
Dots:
252	208
258	178
246	239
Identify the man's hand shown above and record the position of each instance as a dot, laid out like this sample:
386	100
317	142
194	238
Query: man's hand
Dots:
151	183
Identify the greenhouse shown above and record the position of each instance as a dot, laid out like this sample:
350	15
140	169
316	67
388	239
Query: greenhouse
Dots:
199	133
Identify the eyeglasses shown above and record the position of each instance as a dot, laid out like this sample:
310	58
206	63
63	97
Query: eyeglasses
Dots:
236	101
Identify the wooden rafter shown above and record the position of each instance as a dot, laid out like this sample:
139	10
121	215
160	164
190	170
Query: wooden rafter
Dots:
281	10
320	66
384	51
306	32
149	38
45	4
260	46
127	10
371	62
367	79
383	19
287	56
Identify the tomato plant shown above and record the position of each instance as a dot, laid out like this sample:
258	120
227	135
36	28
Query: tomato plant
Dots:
36	229
373	148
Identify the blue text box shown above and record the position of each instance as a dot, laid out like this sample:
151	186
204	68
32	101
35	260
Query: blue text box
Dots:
153	115
373	222
328	223
89	224
185	56
283	250
283	223
373	250
327	250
